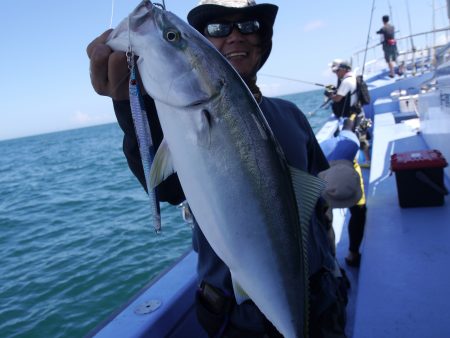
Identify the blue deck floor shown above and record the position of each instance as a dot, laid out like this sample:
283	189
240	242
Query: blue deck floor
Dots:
404	280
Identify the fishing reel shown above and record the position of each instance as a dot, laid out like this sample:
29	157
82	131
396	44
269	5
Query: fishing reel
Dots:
329	91
364	125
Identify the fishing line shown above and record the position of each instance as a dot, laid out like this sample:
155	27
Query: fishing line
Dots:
291	79
112	14
410	29
368	36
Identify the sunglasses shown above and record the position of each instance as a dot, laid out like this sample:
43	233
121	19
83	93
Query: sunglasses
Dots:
221	30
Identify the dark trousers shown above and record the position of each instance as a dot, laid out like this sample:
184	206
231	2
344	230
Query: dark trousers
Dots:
356	226
328	300
328	305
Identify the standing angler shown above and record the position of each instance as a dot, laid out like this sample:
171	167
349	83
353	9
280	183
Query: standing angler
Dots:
389	45
228	167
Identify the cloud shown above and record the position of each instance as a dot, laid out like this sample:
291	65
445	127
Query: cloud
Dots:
82	118
270	89
274	89
313	25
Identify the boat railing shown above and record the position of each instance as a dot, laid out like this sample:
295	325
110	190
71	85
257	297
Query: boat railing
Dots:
418	52
443	55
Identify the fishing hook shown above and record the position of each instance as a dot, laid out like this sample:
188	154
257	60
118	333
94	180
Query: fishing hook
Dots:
129	53
162	6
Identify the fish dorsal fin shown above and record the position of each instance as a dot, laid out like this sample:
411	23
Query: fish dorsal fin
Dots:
307	190
239	293
162	165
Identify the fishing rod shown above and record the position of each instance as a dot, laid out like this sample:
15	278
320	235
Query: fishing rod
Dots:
390	12
311	113
296	80
413	48
410	29
368	36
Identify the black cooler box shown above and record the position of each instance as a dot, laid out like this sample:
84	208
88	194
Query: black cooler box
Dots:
420	178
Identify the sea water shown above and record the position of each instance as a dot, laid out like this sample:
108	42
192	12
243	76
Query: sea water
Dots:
76	238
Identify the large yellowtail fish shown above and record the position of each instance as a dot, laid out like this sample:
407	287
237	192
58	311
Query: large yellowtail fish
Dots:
251	206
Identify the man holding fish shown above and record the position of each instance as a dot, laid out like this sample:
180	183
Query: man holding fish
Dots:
265	264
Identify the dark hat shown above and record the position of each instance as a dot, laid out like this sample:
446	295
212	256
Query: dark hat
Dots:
210	10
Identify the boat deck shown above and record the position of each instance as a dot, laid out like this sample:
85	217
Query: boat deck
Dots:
400	290
164	308
403	286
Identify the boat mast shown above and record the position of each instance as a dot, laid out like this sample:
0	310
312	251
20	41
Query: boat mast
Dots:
448	9
368	36
413	48
434	24
448	16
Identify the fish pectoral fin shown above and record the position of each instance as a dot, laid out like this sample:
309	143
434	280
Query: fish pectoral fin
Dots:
239	293
307	190
162	166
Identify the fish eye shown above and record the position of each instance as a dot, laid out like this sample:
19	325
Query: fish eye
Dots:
172	35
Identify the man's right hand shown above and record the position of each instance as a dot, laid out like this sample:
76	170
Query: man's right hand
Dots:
108	69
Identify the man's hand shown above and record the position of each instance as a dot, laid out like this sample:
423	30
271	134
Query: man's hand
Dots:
328	93
330	90
108	69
